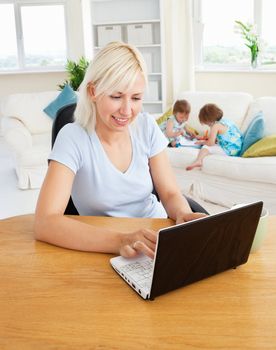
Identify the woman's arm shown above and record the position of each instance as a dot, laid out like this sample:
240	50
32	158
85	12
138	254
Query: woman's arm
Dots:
166	186
52	226
170	132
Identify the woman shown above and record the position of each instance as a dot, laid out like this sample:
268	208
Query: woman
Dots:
108	161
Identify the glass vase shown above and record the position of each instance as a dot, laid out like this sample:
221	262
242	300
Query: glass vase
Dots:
254	61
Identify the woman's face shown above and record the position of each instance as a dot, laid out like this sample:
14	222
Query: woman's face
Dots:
116	111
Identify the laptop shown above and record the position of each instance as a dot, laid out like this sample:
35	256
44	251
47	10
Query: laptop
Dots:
188	252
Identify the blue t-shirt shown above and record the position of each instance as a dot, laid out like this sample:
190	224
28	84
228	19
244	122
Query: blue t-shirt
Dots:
99	188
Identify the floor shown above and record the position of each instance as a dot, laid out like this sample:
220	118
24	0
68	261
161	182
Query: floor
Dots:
14	201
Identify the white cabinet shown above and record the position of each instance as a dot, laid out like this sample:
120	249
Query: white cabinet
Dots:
137	22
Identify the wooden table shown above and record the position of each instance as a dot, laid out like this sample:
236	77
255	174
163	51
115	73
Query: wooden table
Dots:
54	298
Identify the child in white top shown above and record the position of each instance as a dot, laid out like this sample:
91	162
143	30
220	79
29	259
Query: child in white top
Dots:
176	125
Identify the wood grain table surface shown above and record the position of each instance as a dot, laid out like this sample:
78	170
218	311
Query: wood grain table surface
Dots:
55	298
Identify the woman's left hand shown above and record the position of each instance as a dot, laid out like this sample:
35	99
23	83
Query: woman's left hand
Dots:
184	217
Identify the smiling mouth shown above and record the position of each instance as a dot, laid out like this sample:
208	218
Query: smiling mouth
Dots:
120	121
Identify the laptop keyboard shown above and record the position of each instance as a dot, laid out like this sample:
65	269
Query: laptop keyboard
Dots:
139	272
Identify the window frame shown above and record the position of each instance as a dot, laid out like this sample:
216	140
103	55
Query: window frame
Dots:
198	40
17	5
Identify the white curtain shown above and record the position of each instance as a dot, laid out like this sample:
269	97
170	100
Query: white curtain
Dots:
179	52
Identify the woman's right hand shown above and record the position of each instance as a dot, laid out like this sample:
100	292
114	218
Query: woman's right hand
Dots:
139	242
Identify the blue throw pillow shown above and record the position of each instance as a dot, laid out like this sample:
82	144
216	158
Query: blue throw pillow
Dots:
65	98
254	132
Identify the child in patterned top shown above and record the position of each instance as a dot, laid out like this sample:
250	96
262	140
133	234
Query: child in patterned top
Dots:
176	125
224	136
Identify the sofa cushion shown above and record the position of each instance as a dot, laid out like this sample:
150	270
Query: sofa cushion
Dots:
241	169
266	147
66	98
268	106
180	157
234	105
28	108
254	132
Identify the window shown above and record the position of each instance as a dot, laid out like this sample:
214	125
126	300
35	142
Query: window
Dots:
269	33
8	46
216	42
32	35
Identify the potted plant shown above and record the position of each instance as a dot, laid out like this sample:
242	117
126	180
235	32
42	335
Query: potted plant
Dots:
76	72
251	38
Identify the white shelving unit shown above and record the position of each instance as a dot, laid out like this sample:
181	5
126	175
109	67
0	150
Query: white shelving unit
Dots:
137	22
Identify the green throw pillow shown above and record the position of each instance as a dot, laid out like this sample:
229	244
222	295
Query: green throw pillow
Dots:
164	116
266	147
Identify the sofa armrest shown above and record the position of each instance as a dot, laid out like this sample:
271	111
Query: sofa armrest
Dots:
16	134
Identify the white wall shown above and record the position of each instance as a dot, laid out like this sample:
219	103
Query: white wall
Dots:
30	82
255	83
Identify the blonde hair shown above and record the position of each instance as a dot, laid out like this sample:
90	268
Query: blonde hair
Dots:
115	68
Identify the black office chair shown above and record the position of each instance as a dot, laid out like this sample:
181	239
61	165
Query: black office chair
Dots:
65	116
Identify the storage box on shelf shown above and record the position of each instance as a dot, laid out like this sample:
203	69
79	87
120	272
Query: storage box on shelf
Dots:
106	34
140	34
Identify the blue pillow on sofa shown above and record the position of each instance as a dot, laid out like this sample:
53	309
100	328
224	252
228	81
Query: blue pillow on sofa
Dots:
254	132
65	98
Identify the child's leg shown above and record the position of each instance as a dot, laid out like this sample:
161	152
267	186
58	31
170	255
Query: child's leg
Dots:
205	151
198	162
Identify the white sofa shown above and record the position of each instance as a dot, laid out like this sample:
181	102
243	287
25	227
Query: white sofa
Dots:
27	129
226	181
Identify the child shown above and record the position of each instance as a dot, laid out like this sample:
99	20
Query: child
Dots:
175	126
224	137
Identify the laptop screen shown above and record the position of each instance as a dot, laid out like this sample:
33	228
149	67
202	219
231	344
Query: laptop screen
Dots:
189	252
